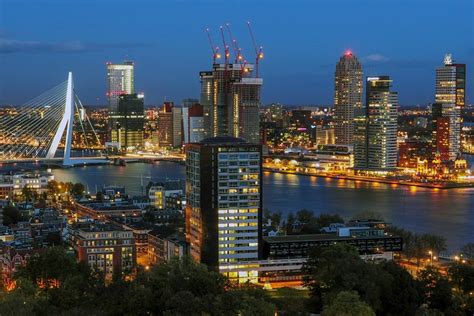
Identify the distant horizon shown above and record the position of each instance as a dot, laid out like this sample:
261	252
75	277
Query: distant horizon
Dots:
302	40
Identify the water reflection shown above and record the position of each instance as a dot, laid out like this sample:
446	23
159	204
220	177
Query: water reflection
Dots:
446	212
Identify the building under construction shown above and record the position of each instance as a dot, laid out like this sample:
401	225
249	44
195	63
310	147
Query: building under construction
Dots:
230	93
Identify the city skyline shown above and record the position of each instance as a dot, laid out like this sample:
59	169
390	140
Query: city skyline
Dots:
295	48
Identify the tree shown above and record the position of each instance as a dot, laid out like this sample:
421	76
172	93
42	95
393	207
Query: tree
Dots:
290	301
436	288
337	268
462	275
289	223
347	303
325	220
99	196
434	243
11	215
468	250
401	295
27	194
78	189
305	216
53	187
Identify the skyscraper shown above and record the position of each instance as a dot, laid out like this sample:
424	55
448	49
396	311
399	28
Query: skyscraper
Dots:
224	204
231	99
450	99
347	97
129	120
165	125
193	121
119	81
376	127
177	127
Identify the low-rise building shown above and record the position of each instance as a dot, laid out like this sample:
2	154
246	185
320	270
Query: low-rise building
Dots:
11	260
370	242
159	191
105	247
35	181
165	244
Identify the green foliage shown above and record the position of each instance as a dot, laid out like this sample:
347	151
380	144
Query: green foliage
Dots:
11	215
462	275
55	284
436	288
418	246
468	250
347	303
311	224
290	301
387	288
99	196
78	189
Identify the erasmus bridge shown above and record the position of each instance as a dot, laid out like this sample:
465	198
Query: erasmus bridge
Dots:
35	130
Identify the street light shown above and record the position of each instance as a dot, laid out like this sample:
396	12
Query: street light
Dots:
431	256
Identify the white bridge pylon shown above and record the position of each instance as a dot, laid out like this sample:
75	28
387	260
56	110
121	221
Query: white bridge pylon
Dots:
67	121
34	131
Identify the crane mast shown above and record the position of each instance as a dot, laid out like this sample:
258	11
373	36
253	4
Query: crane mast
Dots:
258	51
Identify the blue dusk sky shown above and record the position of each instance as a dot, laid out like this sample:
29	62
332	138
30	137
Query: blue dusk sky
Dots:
41	40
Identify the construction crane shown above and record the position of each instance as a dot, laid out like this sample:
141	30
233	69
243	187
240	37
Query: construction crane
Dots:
226	47
215	49
235	46
258	51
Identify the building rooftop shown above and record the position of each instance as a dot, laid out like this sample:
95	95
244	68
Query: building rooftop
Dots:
223	140
313	237
98	227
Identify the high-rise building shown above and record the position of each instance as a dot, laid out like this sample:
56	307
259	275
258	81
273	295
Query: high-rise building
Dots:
193	121
231	99
129	120
119	81
376	127
170	126
165	125
224	204
450	99
347	97
177	126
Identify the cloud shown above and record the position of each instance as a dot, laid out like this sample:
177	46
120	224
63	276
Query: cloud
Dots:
378	58
9	46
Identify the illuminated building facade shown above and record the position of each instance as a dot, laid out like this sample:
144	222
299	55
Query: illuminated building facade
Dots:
231	101
129	121
450	100
224	204
193	121
376	129
177	126
165	125
104	247
120	80
347	97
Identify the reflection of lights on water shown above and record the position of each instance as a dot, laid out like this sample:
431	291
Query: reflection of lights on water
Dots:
413	189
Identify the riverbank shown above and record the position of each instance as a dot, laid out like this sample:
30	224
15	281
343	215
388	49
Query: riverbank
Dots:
435	186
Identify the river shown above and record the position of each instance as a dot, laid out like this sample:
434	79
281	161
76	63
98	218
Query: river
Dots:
445	212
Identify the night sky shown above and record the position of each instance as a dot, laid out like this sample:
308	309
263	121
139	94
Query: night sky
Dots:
40	40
